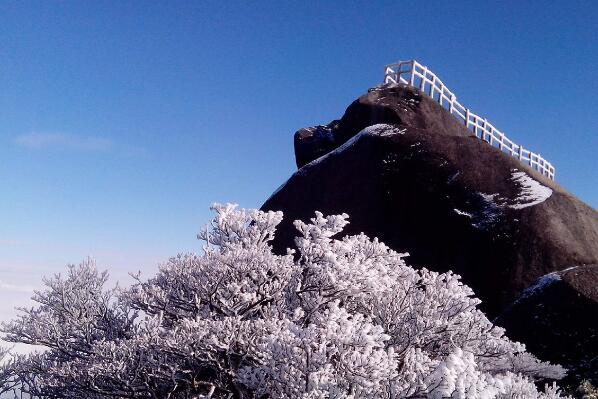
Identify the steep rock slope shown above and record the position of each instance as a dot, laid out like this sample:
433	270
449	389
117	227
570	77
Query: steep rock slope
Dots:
407	172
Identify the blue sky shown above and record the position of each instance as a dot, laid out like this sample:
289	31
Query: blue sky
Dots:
121	122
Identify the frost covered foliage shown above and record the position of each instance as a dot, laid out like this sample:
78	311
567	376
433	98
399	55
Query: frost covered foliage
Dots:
338	318
587	390
7	380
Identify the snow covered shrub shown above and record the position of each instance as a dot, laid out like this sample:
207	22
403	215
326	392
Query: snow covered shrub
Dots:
587	390
339	318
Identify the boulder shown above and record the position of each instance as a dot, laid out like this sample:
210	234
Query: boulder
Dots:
409	173
557	318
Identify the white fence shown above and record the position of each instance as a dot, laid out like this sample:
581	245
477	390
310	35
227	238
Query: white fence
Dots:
414	74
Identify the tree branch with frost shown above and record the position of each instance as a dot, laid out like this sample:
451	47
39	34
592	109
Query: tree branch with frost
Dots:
342	317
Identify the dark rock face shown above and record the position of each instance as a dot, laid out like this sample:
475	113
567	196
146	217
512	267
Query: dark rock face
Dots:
557	317
422	183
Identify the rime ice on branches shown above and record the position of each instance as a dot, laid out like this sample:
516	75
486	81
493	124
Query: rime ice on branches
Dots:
339	318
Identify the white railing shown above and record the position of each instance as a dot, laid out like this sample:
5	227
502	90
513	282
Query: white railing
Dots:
414	74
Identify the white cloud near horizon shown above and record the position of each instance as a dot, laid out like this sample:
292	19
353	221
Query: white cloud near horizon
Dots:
15	287
63	141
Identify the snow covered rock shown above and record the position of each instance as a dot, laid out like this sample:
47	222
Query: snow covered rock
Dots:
532	192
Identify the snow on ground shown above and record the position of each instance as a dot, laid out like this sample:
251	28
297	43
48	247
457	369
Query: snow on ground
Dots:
532	192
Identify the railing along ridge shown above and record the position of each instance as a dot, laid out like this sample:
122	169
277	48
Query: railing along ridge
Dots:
414	74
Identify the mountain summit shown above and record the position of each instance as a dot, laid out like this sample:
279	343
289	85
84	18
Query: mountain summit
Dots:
410	173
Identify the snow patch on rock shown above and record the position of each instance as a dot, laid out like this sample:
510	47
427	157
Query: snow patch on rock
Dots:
462	213
488	212
541	284
383	129
568	269
380	129
491	198
544	281
531	191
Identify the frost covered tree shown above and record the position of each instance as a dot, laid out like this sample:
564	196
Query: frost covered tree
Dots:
7	380
337	318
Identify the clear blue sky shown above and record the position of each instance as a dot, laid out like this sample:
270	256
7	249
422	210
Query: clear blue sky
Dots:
122	121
